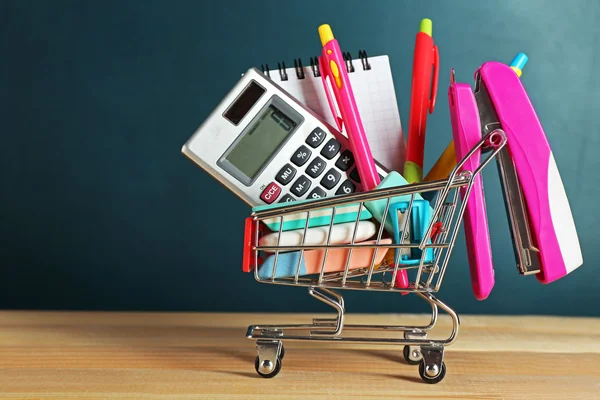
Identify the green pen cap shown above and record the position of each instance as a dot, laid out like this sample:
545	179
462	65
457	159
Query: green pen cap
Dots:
426	26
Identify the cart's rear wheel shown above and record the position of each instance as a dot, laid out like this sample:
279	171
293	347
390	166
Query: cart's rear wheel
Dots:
410	357
271	374
432	378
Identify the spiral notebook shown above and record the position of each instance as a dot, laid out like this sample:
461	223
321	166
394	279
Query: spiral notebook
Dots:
373	86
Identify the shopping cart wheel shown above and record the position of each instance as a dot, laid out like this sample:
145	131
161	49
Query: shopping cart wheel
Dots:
433	374
281	352
267	365
412	354
268	361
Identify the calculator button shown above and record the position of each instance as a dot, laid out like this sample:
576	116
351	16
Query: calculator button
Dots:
287	199
346	187
330	149
286	174
300	186
317	193
331	178
354	175
345	161
316	167
315	138
271	193
301	156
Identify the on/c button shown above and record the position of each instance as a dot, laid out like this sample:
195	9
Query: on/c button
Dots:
271	193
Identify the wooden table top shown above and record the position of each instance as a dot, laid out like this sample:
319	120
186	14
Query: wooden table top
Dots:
107	355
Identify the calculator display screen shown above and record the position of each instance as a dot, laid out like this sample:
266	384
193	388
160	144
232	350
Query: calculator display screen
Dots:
255	148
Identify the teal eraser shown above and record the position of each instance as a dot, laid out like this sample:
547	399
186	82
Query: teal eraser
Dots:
319	217
377	207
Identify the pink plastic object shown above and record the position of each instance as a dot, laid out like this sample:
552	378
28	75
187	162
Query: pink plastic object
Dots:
402	280
335	77
466	130
552	225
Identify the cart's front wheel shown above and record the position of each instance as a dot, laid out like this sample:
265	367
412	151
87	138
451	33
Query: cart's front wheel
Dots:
267	369
433	374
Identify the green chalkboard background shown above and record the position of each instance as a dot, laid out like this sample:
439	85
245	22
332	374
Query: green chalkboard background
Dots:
99	209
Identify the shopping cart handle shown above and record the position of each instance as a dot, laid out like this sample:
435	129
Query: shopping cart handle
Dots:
248	257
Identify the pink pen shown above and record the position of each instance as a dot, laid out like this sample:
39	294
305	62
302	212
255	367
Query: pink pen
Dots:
335	76
466	130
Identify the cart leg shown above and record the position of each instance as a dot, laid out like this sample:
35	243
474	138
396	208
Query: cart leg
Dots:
333	299
336	301
455	319
412	353
432	368
268	361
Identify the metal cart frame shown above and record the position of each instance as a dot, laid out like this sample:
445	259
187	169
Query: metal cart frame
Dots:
418	348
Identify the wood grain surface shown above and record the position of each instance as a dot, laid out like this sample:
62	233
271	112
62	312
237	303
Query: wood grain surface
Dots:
102	355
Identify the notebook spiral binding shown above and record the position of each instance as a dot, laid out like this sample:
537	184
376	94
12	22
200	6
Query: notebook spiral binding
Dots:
314	66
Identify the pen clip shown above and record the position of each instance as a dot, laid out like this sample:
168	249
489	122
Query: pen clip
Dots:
326	77
434	83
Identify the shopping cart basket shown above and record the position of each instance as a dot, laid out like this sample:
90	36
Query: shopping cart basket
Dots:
423	260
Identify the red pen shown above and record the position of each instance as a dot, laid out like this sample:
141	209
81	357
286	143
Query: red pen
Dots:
422	98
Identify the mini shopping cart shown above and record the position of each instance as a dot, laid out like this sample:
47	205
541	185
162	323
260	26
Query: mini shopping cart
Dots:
425	270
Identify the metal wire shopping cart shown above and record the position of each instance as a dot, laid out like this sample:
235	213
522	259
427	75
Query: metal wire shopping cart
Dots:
423	257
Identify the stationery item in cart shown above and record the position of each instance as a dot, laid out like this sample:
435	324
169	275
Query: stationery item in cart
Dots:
518	63
373	86
312	260
422	99
335	79
377	207
340	234
390	260
544	234
319	217
443	166
265	146
466	130
420	218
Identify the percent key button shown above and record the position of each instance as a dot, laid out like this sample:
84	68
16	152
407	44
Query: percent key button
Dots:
301	156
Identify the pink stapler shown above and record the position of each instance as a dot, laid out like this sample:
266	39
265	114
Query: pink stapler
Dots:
466	131
542	226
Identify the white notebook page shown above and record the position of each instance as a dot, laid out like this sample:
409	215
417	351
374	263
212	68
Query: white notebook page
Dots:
376	100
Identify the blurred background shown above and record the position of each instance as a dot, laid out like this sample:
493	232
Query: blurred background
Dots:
99	210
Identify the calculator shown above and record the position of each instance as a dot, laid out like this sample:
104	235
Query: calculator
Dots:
267	147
